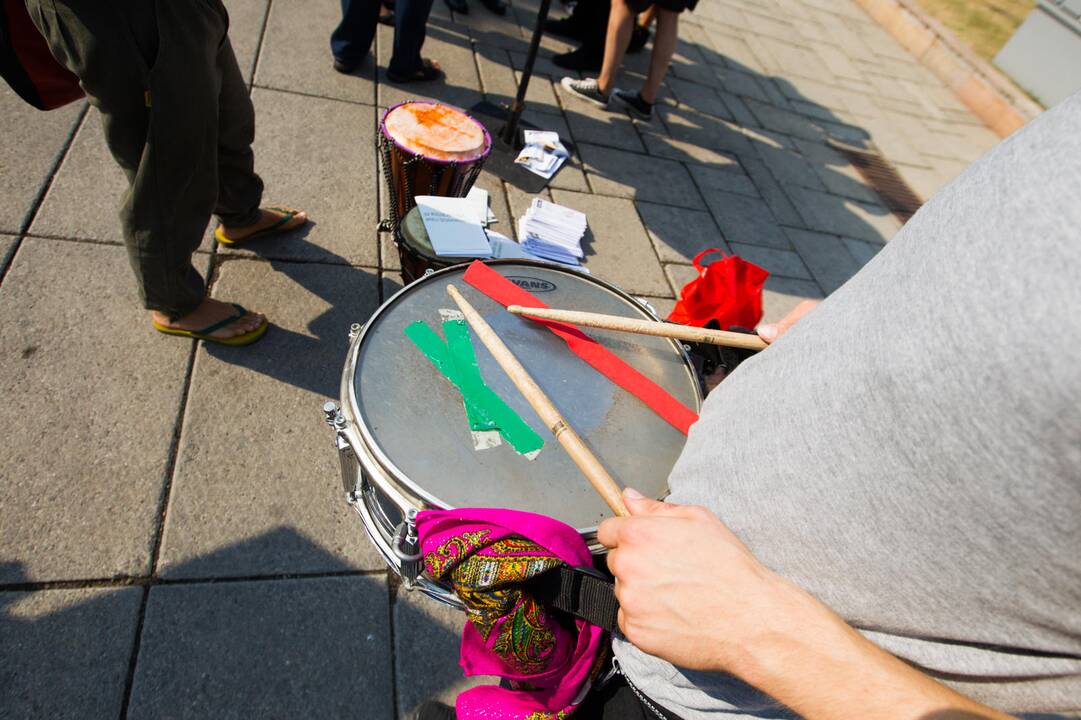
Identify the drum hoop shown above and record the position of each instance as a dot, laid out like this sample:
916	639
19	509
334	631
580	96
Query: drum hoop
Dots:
457	161
372	449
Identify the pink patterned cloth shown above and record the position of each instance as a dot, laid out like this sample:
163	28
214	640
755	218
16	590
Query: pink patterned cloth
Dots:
486	555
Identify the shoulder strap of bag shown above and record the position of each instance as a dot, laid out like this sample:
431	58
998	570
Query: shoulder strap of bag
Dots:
583	592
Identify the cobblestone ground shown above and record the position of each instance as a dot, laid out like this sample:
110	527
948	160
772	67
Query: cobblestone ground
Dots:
173	543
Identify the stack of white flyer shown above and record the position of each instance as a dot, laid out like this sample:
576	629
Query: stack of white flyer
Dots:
543	154
553	232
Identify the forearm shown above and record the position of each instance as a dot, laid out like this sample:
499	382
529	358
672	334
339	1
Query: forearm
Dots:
822	668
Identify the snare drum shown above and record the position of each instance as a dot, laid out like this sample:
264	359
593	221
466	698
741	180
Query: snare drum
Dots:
405	442
415	249
429	149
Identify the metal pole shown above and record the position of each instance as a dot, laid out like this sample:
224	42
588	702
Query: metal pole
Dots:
510	130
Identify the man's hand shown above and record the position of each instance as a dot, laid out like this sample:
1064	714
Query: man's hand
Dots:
692	594
689	591
771	331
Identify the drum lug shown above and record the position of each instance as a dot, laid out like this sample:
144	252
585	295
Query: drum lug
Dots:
346	458
407	549
354	330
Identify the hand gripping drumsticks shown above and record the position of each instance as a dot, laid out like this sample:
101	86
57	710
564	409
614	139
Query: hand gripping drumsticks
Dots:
586	461
745	341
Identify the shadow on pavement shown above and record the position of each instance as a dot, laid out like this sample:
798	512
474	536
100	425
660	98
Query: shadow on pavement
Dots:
318	646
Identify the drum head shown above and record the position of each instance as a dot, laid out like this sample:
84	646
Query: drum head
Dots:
436	132
415	235
413	421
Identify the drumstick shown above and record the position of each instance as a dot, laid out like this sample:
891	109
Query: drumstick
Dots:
586	461
746	341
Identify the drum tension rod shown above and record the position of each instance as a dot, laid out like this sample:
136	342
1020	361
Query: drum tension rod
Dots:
407	549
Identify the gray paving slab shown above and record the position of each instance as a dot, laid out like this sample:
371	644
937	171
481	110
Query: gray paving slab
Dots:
784	121
65	653
296	54
838	175
781	294
616	244
702	98
746	219
7	248
85	195
659	143
591	124
289	648
317	155
842	216
446	42
679	234
741	114
254	487
860	250
624	174
771	191
827	256
427	641
789	167
697	128
778	262
246	21
32	144
90	399
728	178
679	275
500	82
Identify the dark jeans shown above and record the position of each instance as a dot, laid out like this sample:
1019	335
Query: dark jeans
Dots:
177	119
352	39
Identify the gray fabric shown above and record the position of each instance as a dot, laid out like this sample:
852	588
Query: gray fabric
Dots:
910	453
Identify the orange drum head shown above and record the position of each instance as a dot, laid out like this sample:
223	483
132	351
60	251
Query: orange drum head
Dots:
436	131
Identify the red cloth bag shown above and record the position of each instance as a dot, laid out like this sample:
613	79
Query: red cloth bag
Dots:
728	290
27	64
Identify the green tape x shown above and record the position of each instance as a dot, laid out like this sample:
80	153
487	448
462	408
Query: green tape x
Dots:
457	362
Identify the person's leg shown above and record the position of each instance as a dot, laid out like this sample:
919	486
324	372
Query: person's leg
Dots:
620	24
239	188
352	39
143	66
664	47
410	28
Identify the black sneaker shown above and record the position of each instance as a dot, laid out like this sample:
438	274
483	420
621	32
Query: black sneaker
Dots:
345	68
639	38
635	106
564	27
579	59
586	89
499	7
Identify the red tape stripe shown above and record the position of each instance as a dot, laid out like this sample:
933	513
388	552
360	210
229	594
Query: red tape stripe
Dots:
504	292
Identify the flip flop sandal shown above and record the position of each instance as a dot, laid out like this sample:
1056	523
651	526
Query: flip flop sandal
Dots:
204	333
277	227
427	73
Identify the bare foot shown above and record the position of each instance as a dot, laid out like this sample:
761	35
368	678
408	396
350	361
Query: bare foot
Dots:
209	312
267	218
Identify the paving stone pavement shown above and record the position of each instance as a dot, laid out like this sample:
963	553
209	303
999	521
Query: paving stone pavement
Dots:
174	542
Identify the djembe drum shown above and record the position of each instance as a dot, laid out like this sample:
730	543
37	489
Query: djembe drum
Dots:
429	149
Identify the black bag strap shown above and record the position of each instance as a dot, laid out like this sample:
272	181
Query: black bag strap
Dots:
583	592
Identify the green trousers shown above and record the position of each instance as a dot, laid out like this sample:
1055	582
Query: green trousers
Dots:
177	119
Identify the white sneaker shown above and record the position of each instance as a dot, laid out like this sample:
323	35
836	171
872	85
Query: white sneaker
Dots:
586	89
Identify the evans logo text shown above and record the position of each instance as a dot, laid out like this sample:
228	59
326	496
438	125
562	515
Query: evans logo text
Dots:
532	284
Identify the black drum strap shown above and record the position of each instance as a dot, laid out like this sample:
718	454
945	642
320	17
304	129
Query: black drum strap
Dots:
583	592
